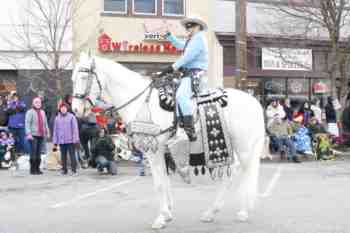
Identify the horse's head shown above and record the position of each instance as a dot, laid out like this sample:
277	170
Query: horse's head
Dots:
87	87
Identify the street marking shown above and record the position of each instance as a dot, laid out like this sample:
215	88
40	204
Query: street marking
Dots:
87	195
273	182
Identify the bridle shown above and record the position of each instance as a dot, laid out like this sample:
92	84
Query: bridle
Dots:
91	75
85	96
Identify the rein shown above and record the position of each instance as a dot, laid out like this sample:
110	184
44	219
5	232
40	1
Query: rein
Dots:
149	87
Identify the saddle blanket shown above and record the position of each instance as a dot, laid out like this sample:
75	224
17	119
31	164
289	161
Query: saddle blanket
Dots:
213	148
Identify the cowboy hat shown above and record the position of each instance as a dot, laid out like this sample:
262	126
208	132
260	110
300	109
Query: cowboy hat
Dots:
195	19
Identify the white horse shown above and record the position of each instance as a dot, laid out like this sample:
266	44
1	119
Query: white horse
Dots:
244	117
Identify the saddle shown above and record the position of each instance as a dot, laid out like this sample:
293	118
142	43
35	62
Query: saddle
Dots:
167	88
214	150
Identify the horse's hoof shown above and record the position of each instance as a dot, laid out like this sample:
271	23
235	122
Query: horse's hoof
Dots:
242	216
159	223
168	217
207	217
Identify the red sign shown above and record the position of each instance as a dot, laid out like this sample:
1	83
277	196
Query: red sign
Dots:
106	45
320	88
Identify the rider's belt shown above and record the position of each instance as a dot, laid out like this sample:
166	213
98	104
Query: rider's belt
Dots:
192	72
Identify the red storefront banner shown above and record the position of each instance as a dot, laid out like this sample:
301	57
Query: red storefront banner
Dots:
106	45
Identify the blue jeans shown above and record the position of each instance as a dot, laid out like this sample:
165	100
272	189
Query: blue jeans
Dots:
68	149
102	163
141	163
288	144
183	97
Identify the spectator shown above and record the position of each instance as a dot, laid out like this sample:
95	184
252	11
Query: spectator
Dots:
331	118
88	133
3	113
16	111
274	111
66	135
346	118
138	157
46	105
305	109
285	103
102	153
317	111
302	137
6	146
37	129
120	126
280	129
68	99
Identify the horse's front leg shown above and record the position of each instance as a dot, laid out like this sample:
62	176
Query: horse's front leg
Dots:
162	188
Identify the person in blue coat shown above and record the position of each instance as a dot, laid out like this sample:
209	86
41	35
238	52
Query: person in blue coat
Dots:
192	63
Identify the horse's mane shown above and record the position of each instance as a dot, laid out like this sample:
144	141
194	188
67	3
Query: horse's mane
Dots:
116	69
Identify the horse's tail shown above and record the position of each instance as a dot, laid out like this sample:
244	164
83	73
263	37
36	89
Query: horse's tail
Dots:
249	175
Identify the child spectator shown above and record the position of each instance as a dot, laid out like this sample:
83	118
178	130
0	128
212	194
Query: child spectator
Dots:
6	146
66	135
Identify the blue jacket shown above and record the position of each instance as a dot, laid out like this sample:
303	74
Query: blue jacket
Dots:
196	52
16	112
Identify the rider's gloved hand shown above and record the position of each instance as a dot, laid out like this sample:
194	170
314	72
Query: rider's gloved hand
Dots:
166	71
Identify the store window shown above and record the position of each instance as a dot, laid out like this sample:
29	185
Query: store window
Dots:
119	6
174	7
274	88
148	7
298	89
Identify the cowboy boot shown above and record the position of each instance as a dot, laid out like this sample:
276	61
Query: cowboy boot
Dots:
189	128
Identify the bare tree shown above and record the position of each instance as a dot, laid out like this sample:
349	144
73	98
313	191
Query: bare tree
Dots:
313	19
44	35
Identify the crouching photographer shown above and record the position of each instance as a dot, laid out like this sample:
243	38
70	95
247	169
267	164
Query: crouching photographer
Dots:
103	153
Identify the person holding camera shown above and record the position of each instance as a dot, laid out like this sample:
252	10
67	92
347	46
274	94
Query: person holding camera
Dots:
66	136
16	112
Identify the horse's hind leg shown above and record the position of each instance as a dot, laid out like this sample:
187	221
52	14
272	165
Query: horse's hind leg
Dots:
208	216
248	178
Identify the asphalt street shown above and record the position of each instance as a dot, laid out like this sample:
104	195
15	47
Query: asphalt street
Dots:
312	197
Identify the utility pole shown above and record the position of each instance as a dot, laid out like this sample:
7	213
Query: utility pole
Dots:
241	42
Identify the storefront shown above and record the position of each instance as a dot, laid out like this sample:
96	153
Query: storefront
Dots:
128	32
280	68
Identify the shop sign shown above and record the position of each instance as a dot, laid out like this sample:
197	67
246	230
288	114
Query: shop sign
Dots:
153	36
320	88
107	45
286	59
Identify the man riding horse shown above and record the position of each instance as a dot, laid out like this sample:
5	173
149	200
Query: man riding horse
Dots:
192	63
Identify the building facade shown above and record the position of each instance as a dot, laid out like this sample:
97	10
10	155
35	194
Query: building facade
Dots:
128	32
283	59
